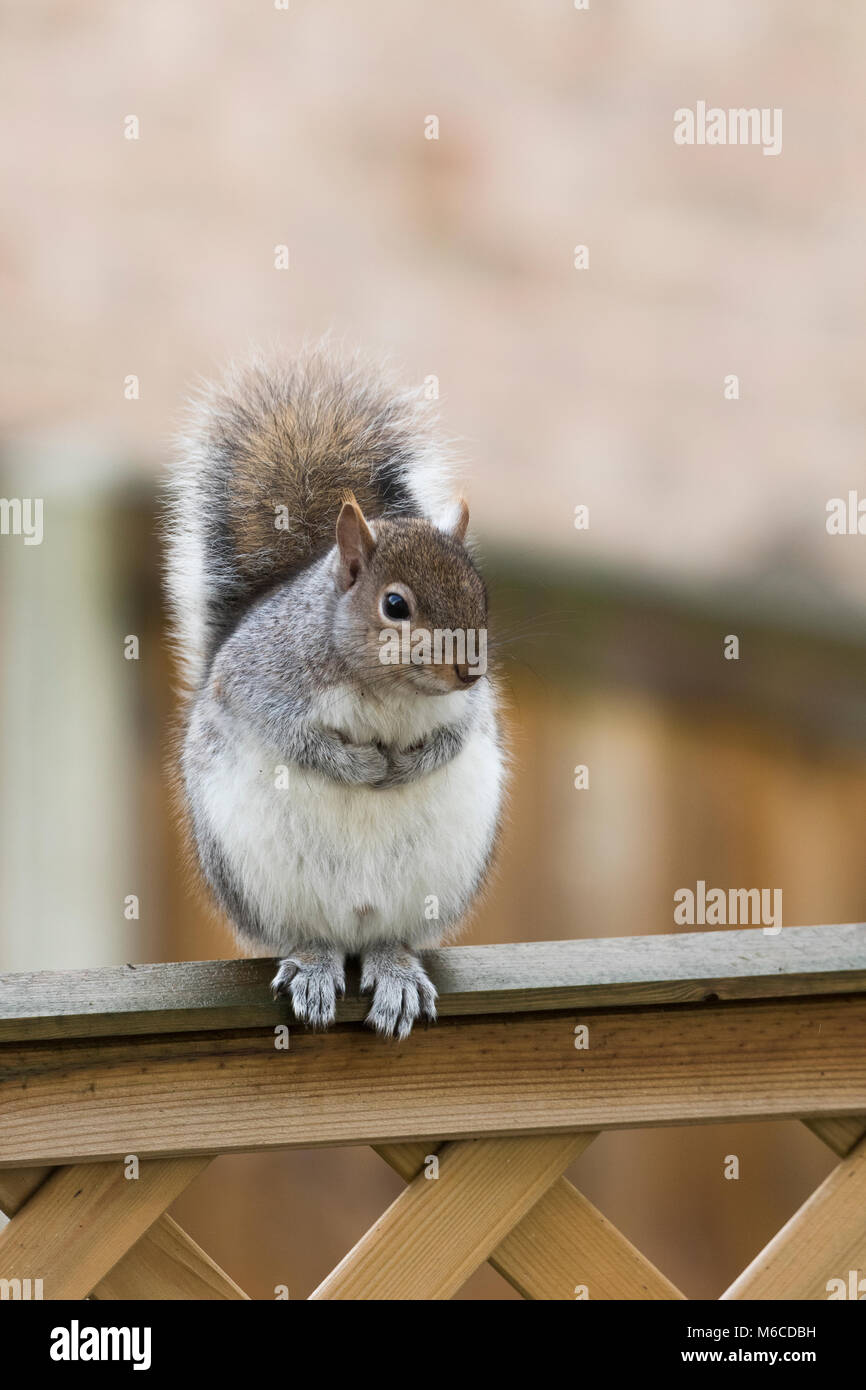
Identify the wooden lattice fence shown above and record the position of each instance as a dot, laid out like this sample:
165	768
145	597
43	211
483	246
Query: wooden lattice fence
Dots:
179	1063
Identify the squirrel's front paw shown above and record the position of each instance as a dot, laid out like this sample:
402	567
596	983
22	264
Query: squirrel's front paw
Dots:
367	763
401	990
313	978
404	766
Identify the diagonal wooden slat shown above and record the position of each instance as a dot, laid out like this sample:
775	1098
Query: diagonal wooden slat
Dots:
564	1243
167	1264
408	1159
83	1219
561	1242
825	1239
439	1231
840	1134
17	1186
537	1256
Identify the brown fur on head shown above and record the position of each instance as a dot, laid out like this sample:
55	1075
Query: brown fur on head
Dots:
404	578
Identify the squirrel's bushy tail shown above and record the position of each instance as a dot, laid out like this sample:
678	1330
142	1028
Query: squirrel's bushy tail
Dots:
256	491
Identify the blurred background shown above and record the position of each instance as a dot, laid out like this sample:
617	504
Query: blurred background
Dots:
131	266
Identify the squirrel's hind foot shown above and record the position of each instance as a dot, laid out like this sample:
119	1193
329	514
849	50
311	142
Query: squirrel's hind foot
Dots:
312	978
401	990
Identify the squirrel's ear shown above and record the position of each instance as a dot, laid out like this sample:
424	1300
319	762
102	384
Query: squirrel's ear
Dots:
461	526
355	540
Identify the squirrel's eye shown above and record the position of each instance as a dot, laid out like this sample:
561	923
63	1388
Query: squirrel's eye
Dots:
395	607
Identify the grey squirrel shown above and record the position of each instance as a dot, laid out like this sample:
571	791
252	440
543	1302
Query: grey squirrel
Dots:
340	803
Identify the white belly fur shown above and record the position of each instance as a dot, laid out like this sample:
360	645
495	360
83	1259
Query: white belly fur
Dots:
352	864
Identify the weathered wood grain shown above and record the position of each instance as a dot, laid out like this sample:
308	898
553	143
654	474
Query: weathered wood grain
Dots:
465	1078
517	978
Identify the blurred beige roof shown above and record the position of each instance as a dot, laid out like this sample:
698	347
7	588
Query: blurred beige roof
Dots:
306	127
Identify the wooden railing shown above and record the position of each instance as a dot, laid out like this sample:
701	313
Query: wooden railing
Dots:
538	1047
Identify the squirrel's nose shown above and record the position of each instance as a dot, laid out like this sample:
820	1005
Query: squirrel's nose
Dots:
466	675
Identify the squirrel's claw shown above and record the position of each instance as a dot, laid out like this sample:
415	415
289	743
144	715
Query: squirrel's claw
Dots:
313	981
402	992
